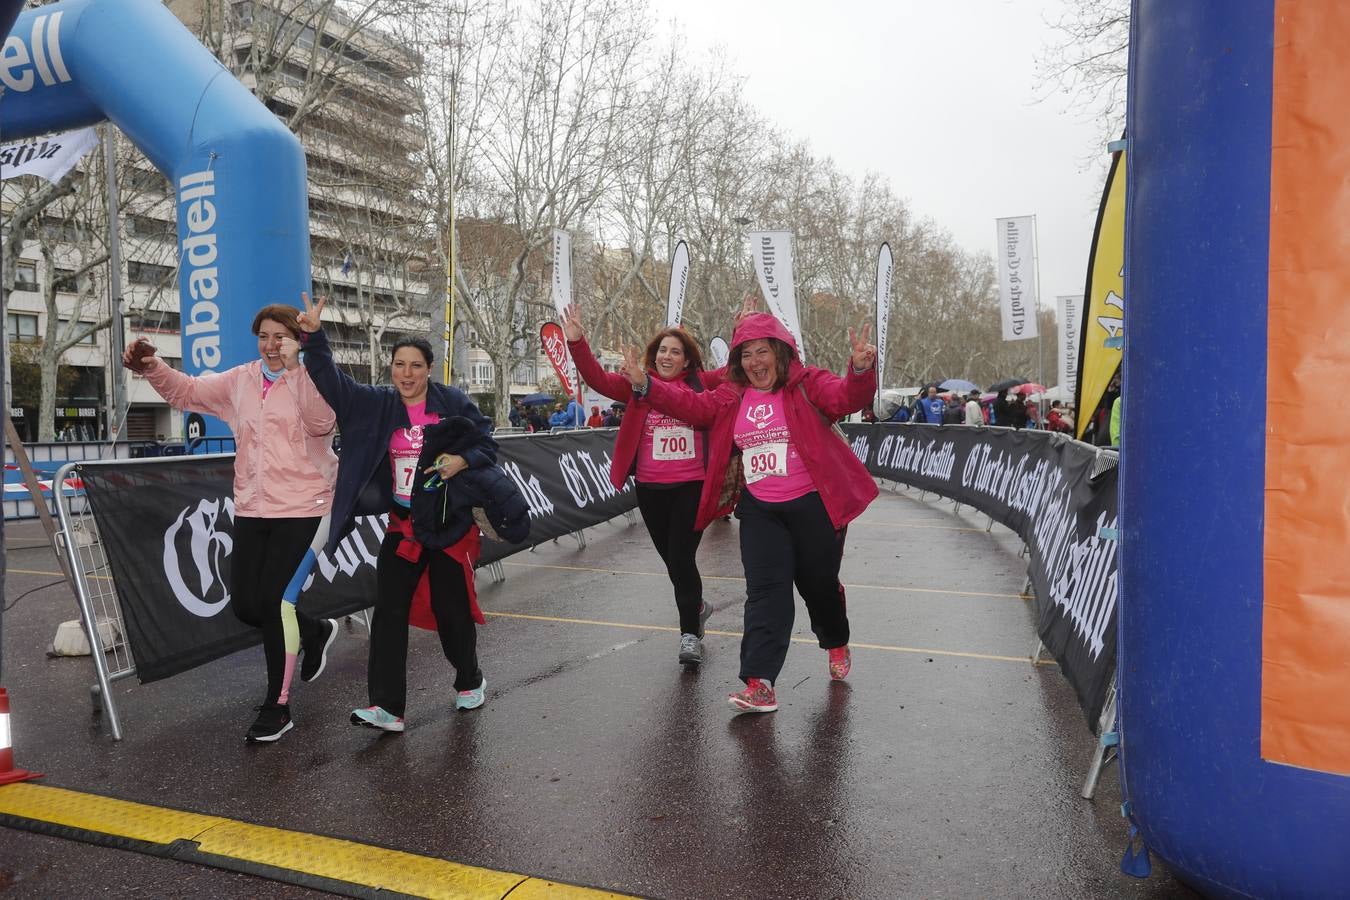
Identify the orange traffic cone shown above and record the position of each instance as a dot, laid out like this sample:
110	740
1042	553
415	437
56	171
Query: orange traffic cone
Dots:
8	773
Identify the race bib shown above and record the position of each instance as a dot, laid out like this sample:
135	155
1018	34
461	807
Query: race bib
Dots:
765	460
405	471
671	442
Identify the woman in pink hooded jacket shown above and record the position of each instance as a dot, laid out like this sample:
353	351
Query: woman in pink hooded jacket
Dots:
802	485
284	467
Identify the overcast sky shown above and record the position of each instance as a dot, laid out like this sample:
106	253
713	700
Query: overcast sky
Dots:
941	97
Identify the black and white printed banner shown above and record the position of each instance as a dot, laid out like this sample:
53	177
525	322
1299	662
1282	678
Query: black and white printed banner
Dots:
167	529
1058	495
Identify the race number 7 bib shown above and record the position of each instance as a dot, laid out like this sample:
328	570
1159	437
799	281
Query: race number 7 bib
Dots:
765	460
670	442
405	470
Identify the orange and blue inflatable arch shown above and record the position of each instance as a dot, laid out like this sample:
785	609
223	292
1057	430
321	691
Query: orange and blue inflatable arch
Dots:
1234	662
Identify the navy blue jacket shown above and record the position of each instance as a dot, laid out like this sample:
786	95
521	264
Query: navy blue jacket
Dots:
932	410
367	416
443	512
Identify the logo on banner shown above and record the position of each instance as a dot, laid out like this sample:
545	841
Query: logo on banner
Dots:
48	65
759	415
196	546
198	268
555	348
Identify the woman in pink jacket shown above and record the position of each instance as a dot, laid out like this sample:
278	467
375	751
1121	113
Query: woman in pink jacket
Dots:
666	458
284	468
802	486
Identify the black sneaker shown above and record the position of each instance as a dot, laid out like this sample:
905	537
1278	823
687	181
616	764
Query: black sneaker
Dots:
274	720
316	654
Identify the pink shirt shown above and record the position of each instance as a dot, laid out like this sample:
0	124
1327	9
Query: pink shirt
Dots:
774	471
405	446
670	451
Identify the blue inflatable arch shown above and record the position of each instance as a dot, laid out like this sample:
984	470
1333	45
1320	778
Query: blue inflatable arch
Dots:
239	173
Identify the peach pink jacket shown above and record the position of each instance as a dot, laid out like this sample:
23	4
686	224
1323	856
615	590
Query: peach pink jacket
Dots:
284	463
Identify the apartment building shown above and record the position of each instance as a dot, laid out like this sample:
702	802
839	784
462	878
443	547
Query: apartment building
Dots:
368	254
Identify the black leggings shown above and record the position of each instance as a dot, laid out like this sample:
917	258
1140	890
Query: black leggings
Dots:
783	544
265	556
387	672
669	512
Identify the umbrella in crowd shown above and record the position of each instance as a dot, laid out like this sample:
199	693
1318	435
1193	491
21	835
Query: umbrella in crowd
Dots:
1006	384
536	399
1030	387
958	384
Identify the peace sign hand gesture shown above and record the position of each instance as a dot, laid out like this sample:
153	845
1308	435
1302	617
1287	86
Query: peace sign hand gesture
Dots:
749	306
309	319
571	322
633	369
864	354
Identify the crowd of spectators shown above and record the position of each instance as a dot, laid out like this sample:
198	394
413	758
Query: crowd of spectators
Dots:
538	417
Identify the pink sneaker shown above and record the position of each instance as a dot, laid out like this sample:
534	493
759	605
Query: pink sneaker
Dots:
840	662
757	697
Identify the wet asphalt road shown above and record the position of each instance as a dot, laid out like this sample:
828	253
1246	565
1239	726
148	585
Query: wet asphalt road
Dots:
600	761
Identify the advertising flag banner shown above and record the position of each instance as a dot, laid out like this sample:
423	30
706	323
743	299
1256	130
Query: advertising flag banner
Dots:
679	281
555	348
719	351
1017	290
1103	328
773	267
50	157
885	265
1068	312
562	270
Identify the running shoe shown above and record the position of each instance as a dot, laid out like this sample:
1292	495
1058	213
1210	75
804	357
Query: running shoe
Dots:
274	720
316	655
691	650
757	697
472	699
704	612
840	662
377	717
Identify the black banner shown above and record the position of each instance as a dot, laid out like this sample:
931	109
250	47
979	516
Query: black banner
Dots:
1059	495
166	527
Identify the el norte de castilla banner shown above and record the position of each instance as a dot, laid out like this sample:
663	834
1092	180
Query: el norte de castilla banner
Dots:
167	529
1057	494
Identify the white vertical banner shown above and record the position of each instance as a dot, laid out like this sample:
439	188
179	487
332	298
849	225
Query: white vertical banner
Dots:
1069	313
885	266
772	251
562	289
719	351
679	281
1017	291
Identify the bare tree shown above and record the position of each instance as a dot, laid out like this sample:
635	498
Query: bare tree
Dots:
1090	60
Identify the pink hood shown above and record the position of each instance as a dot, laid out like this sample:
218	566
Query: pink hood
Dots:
761	325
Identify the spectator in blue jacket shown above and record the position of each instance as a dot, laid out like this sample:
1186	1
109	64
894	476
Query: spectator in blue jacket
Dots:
932	407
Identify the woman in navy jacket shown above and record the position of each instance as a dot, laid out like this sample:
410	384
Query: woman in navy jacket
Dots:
379	468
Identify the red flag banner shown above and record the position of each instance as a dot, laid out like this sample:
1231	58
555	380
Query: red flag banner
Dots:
555	348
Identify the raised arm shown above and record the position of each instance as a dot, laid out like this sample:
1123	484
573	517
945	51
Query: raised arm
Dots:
336	387
316	416
209	394
698	409
611	384
837	397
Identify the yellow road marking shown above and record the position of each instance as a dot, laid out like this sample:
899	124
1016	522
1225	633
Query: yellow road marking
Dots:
736	634
293	851
861	587
57	574
912	525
